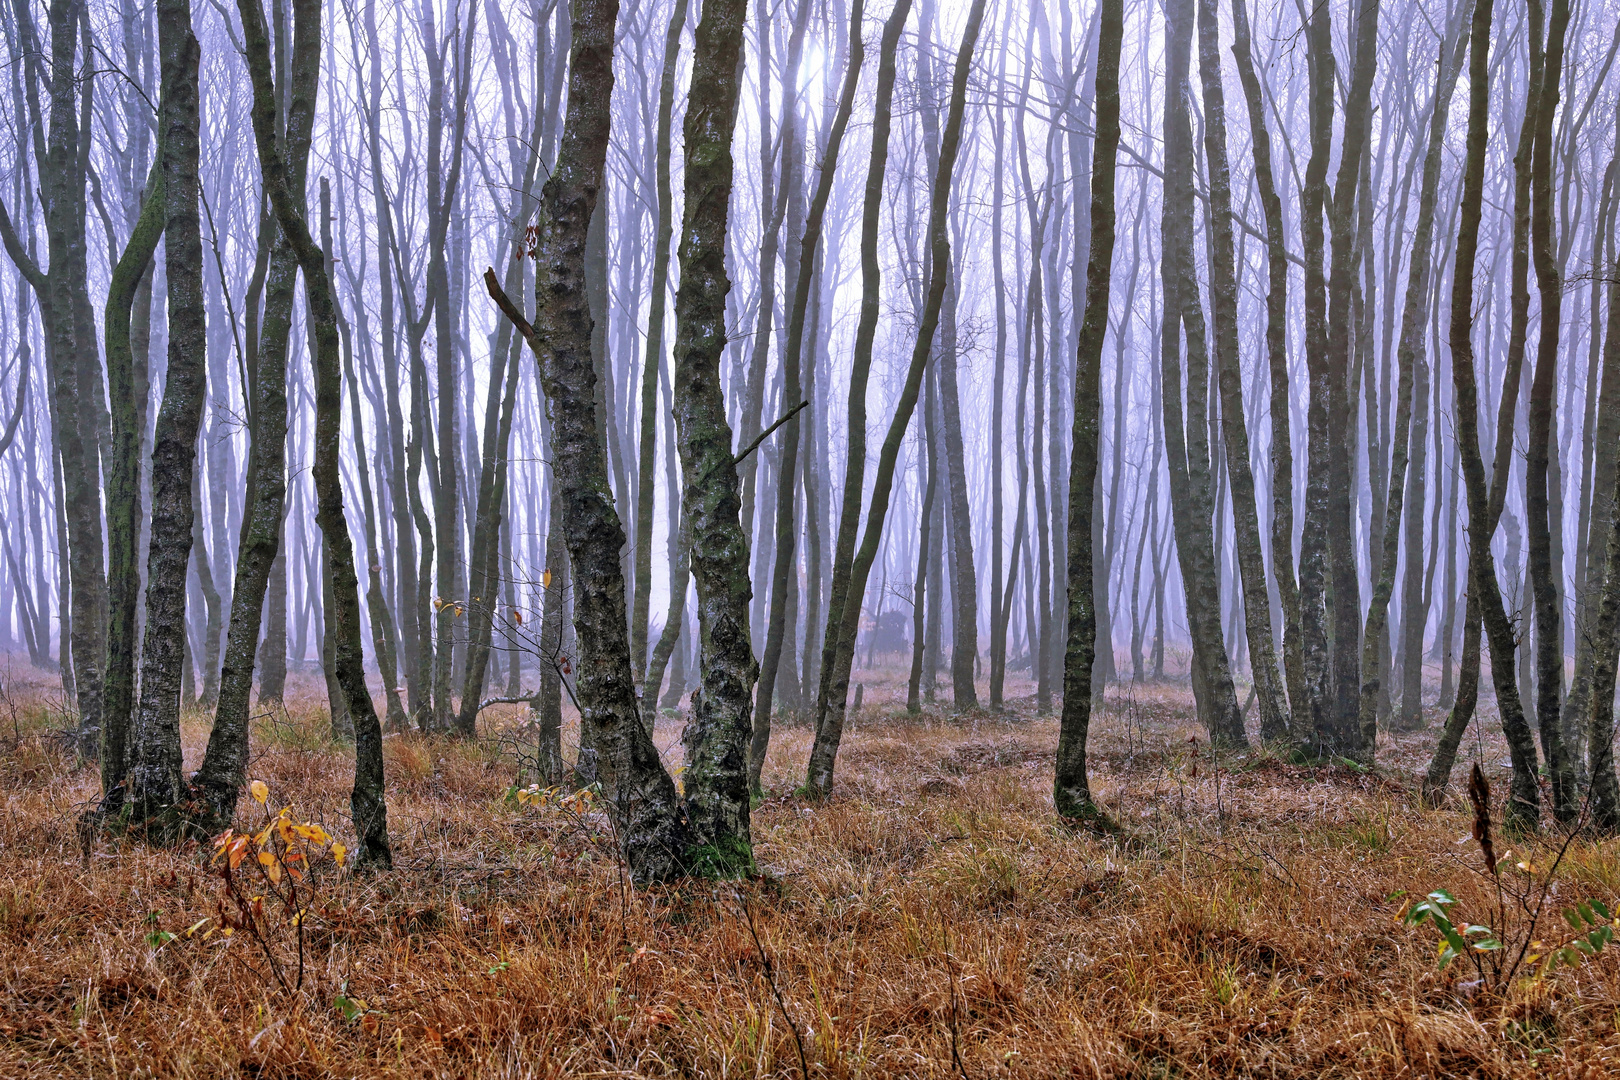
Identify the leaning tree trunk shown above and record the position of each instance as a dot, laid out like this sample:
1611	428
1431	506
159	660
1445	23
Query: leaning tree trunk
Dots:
1282	455
849	519
366	803
791	364
1071	791
651	365
259	548
156	784
639	793
1268	687
1406	464
824	751
1524	802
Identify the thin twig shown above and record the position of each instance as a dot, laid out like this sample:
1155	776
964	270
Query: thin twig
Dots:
768	432
770	980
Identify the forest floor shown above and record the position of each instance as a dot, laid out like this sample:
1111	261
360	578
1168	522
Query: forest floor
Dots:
933	919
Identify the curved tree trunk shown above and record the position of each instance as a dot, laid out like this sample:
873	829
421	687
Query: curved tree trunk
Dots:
1410	441
1539	509
792	363
1524	803
367	807
124	489
824	752
716	739
1282	455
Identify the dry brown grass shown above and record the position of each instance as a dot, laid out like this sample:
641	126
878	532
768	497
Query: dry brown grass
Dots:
932	920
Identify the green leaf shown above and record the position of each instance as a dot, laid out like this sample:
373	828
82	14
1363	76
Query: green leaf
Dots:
159	938
347	1006
1598	906
1574	919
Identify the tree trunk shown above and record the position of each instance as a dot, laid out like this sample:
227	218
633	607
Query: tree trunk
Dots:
824	752
157	786
1411	440
1268	687
1186	439
1071	790
123	488
1542	521
716	739
793	359
367	807
652	364
639	793
1523	810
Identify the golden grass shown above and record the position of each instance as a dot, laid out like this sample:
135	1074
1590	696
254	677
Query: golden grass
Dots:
931	920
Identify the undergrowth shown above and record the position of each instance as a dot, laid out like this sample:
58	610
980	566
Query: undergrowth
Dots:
933	918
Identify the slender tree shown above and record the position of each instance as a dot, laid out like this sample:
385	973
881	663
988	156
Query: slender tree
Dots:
1071	791
366	803
830	729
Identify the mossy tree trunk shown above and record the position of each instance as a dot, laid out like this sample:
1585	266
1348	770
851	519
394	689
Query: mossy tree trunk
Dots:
156	786
639	793
716	739
1071	789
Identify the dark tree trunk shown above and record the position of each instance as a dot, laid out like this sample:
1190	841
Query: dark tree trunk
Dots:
639	793
793	363
259	550
1186	437
716	739
1539	509
123	489
156	786
1344	734
1524	803
366	803
1411	439
1071	790
1268	687
1282	455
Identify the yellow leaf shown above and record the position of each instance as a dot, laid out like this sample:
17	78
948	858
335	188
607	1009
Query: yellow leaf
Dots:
260	791
198	925
272	865
339	852
545	579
